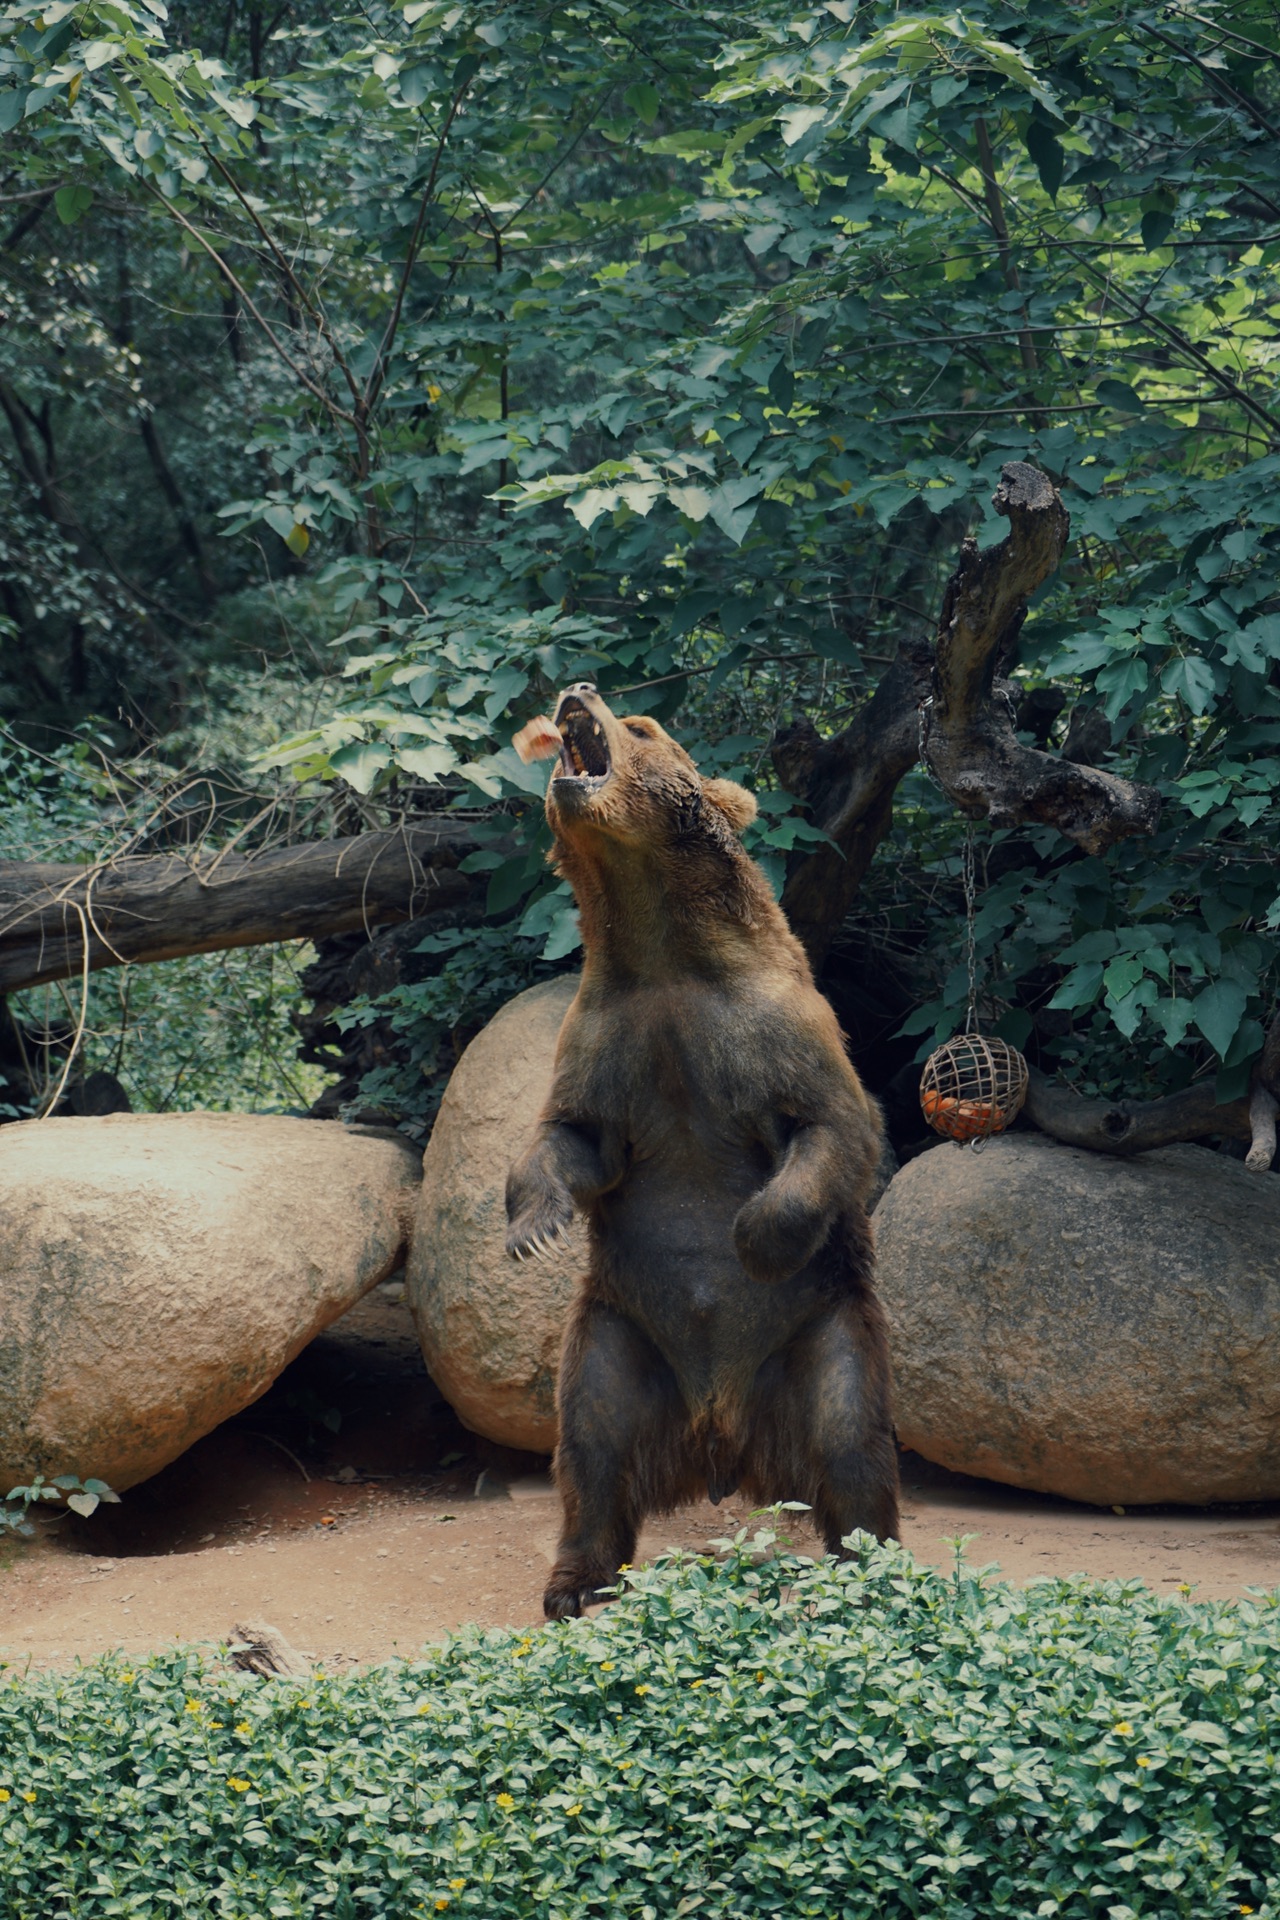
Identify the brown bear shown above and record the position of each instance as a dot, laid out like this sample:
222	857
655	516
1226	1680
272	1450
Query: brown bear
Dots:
706	1119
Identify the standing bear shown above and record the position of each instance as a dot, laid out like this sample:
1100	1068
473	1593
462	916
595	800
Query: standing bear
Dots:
705	1118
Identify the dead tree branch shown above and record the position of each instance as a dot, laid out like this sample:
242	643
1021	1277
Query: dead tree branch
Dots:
970	739
948	696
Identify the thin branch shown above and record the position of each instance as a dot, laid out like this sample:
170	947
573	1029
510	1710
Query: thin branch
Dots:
377	373
304	379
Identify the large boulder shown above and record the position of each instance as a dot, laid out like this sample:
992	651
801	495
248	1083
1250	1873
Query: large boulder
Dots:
491	1326
1101	1328
157	1271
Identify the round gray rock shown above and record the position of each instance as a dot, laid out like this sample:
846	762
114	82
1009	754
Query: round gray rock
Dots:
1101	1328
157	1271
491	1326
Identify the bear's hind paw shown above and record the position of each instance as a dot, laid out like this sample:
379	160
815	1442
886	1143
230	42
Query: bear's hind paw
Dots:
568	1594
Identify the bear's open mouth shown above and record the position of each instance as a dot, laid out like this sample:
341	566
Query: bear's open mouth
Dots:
584	750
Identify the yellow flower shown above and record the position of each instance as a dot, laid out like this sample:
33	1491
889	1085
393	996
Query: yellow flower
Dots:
1244	1909
425	1707
243	1729
215	1726
695	1683
433	394
625	1567
239	1786
457	1885
4	1795
127	1677
1142	1760
1123	1728
195	1706
644	1689
29	1798
606	1666
505	1802
441	1905
624	1764
759	1678
569	1811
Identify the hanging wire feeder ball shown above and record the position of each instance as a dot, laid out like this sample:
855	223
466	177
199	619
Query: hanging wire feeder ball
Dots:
972	1087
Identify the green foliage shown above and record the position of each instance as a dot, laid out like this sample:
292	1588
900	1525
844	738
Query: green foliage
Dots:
683	349
210	1031
762	1736
66	1490
213	1030
480	969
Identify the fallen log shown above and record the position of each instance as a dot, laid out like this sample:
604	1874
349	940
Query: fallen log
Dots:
1127	1127
57	922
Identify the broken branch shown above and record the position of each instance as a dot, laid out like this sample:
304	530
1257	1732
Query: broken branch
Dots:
969	736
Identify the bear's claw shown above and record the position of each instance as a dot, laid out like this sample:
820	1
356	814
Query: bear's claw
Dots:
540	1246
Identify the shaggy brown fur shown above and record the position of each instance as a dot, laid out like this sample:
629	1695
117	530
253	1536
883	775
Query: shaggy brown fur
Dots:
705	1117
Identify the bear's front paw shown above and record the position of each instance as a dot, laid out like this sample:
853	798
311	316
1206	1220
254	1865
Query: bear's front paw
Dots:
774	1240
539	1231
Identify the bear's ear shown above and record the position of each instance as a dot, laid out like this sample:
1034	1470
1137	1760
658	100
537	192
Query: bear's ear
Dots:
735	803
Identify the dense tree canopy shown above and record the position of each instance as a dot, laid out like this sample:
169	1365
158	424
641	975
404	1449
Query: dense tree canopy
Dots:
366	378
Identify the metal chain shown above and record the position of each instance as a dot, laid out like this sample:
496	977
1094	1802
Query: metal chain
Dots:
971	943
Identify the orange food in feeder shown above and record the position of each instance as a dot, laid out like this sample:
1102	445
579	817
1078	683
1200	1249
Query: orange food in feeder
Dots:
972	1087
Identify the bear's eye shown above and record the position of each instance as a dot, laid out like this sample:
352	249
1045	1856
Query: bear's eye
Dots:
641	733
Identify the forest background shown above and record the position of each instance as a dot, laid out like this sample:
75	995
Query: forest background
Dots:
366	379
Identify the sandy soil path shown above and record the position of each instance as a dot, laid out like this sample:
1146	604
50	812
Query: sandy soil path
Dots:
386	1544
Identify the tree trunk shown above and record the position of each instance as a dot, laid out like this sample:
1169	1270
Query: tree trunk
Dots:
158	907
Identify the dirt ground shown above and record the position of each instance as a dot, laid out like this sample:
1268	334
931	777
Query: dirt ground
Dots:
349	1509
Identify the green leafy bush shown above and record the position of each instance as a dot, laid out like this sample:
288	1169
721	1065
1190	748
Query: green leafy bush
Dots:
754	1737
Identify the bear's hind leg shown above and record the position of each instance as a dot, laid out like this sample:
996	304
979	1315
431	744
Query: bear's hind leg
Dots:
822	1426
624	1452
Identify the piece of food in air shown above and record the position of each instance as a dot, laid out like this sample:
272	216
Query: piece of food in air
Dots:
539	740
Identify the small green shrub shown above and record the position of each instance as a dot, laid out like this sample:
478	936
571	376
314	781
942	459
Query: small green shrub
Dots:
68	1492
847	1743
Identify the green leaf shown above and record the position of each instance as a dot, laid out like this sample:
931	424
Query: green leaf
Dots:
1173	1017
1081	986
1190	679
1123	975
415	85
297	540
733	506
431	762
1115	393
782	384
799	121
361	763
1219	1011
280	519
71	203
1156	228
1119	682
565	936
1046	151
644	101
